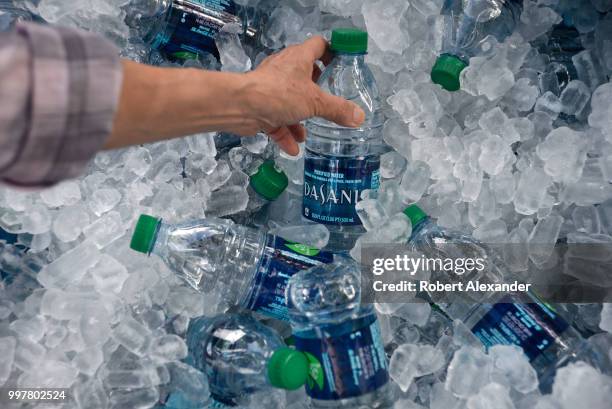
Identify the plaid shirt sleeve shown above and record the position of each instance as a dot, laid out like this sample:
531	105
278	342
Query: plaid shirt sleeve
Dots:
59	90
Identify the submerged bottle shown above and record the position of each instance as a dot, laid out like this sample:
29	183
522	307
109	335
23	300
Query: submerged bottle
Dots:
466	24
240	356
182	29
340	336
342	162
266	185
521	319
239	265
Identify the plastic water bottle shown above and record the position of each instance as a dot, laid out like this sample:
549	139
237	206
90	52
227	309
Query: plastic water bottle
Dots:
340	336
240	356
239	265
466	24
182	29
525	320
342	162
266	185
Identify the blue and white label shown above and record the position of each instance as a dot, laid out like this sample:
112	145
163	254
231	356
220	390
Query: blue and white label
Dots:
352	359
532	326
281	260
333	186
190	30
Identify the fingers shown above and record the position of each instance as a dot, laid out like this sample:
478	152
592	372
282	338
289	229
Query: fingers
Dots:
285	140
314	48
338	110
316	72
298	131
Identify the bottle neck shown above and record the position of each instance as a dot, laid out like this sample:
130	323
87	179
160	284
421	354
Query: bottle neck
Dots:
160	240
350	58
419	226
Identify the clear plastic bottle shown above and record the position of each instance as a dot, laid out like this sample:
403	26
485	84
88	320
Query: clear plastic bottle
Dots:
466	24
340	336
182	29
266	185
520	319
239	265
240	356
342	162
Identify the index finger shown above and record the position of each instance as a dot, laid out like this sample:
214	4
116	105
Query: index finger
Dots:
315	47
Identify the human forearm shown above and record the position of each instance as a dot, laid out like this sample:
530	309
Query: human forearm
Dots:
160	103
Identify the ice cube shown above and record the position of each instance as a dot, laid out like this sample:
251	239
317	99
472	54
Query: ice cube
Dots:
33	328
313	235
493	392
411	361
531	191
606	318
493	121
440	398
69	223
134	398
7	351
90	394
574	97
256	144
415	181
226	201
382	18
564	154
282	22
601	104
132	335
105	230
70	267
371	213
580	385
391	165
36	220
522	96
168	347
28	354
416	313
109	274
63	194
495	155
543	238
589	69
104	200
138	160
468	372
549	104
494	78
49	373
511	367
586	219
88	360
397	135
232	54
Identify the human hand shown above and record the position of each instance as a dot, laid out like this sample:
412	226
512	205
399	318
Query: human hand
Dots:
282	91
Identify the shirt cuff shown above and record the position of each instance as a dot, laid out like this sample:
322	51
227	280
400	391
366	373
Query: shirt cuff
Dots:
75	85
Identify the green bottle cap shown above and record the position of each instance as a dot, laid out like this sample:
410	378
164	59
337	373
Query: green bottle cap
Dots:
288	369
415	214
269	181
144	233
446	71
349	40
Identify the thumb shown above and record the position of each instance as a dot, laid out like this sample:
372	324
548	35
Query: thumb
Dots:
338	110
